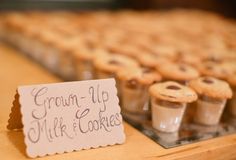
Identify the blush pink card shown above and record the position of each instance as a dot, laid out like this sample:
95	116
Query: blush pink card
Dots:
64	117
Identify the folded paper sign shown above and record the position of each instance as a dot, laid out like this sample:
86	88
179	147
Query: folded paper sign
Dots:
64	117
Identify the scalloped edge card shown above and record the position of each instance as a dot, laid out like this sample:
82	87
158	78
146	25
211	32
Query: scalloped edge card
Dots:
66	117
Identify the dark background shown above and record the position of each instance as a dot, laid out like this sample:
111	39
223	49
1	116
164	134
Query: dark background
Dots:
225	7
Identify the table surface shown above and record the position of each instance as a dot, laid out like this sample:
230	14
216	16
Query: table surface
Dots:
17	69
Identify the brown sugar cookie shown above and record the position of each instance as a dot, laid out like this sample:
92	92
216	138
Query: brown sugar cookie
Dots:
126	49
178	72
190	59
211	87
168	102
229	67
164	50
108	66
213	69
151	60
213	94
173	92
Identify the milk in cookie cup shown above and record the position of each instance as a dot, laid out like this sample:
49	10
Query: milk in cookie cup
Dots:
107	66
84	52
213	94
134	84
47	46
83	55
30	36
168	103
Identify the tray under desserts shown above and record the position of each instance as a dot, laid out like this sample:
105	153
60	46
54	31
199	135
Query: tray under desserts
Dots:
188	133
71	52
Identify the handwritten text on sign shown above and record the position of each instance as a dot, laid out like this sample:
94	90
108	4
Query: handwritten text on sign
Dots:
70	116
